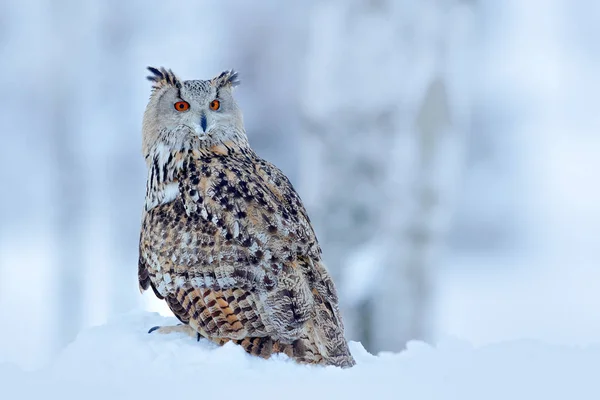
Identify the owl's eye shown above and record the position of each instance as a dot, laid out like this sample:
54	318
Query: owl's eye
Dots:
215	105
182	106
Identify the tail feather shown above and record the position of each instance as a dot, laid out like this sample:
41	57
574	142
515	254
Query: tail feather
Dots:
301	350
327	333
222	317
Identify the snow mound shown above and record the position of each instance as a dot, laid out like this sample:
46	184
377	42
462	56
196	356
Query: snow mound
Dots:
120	360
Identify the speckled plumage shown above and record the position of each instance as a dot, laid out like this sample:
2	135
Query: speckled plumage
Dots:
225	239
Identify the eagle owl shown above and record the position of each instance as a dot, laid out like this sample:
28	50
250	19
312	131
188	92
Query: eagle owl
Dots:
225	239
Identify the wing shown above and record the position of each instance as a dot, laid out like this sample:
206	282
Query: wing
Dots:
239	230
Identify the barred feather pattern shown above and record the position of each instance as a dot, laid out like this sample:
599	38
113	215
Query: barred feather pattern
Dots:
227	243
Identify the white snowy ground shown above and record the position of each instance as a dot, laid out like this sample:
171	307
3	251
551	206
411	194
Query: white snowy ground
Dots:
120	360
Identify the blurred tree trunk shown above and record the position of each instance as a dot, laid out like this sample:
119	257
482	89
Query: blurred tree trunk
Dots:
384	112
70	181
269	50
123	187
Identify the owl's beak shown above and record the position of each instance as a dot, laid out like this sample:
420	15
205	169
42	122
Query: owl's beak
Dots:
199	131
201	126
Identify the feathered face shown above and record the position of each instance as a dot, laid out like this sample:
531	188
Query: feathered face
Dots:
194	113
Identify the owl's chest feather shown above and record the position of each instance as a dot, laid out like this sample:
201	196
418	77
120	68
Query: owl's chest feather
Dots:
194	174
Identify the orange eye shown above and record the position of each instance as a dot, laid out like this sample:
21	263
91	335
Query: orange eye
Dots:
182	106
215	105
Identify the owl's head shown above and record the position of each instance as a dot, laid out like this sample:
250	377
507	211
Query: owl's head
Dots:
193	113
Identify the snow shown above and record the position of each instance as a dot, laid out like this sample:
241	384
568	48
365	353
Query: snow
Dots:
121	360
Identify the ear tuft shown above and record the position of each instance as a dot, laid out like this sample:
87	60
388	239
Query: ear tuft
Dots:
229	77
162	77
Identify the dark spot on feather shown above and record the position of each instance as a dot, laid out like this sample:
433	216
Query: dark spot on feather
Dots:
178	207
268	282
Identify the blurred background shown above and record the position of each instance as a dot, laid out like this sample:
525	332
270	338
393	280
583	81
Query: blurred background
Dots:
446	151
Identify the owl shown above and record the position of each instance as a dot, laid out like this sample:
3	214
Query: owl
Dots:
225	239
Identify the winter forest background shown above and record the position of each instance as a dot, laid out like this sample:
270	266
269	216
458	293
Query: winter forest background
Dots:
445	149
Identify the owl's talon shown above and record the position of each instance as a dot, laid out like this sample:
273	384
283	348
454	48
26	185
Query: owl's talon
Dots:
169	329
153	329
198	337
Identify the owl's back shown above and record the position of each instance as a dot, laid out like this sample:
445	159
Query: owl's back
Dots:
235	256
